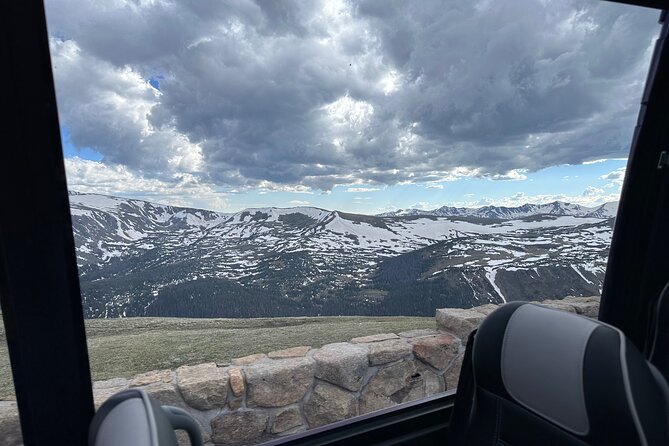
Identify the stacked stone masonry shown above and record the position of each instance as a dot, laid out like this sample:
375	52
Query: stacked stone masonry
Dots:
264	396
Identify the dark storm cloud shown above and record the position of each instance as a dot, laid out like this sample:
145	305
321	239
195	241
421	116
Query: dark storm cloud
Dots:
492	78
317	94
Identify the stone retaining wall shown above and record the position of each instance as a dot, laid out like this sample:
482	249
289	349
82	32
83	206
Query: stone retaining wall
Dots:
461	321
263	396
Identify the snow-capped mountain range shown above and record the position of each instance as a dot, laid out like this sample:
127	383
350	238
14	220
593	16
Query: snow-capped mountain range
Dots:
605	210
140	258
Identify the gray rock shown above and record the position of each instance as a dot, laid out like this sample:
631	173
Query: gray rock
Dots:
587	309
388	387
328	404
371	402
486	309
182	438
342	364
399	383
418	333
235	403
595	299
458	321
438	351
432	384
424	382
102	390
388	351
100	395
374	338
279	382
239	427
287	419
586	306
10	426
558	305
203	386
165	393
392	378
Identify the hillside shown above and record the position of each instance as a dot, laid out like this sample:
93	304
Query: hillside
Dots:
144	259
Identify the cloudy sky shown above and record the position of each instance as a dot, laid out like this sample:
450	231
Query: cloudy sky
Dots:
365	106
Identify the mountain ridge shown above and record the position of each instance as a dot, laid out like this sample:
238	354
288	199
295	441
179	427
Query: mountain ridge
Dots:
562	208
138	258
605	210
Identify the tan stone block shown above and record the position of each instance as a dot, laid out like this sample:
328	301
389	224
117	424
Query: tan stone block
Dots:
388	351
250	359
329	403
154	376
343	364
203	386
236	381
165	393
279	382
458	321
417	333
293	352
374	338
438	351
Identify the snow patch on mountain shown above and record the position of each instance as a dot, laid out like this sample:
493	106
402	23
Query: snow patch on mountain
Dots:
490	275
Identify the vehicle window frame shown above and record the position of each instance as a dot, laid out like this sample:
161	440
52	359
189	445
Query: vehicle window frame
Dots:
42	307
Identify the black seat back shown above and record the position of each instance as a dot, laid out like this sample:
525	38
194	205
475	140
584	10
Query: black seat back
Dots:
544	376
658	347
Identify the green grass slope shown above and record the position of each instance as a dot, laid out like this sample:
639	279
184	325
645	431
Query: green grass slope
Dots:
125	347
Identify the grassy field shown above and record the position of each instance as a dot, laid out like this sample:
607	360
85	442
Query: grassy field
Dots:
125	347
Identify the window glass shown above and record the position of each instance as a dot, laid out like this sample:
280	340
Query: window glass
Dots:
291	213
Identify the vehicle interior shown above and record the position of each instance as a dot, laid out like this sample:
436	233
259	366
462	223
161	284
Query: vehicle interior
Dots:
531	375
